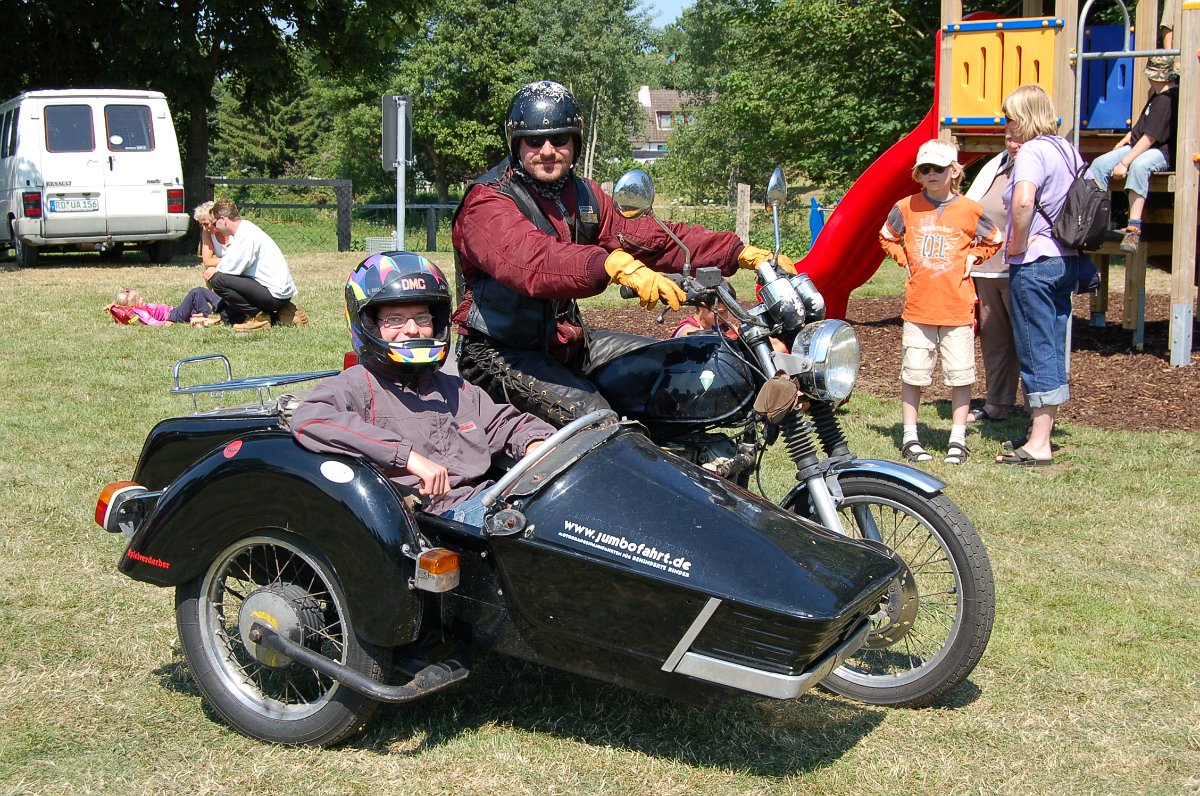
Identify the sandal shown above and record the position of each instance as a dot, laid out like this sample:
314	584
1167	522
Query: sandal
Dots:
1022	458
956	453
914	452
981	413
1010	445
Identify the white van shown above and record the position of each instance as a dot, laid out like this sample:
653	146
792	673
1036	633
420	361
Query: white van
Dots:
89	170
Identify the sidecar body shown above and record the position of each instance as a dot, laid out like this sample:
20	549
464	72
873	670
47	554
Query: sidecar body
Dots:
300	578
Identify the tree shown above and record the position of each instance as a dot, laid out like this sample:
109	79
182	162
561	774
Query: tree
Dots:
844	82
182	47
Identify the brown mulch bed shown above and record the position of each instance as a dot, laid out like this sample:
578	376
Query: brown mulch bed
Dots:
1112	385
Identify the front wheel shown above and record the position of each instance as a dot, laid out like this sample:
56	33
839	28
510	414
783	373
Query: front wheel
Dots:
282	579
937	616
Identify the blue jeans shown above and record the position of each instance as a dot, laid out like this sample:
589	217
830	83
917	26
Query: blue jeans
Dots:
469	512
1041	309
1138	178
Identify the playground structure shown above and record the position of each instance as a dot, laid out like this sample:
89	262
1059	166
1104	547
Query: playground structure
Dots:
980	60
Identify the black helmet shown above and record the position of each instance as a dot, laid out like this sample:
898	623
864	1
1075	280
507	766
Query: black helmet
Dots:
542	108
397	278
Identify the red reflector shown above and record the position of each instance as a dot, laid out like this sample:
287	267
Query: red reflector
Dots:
31	202
349	360
175	200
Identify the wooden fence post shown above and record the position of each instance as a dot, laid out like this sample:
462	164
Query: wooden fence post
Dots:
344	192
431	225
742	224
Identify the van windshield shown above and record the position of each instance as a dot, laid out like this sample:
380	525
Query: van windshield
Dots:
129	128
69	128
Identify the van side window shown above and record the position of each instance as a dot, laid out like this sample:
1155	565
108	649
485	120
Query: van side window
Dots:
69	128
12	135
129	128
8	120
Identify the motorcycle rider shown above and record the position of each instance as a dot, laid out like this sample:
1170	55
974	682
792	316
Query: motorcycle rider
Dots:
427	430
531	237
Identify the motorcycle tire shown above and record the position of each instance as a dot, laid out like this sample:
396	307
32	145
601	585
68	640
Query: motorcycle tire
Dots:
939	614
260	693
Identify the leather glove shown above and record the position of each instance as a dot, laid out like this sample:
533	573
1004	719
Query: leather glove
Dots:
752	256
650	285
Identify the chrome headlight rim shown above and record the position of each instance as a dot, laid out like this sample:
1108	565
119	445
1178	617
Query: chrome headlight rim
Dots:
833	349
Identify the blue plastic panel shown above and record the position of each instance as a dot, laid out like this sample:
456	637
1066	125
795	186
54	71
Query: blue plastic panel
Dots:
1107	102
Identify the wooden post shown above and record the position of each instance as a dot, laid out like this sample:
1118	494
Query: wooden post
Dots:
1065	73
431	224
742	223
1135	295
1187	183
951	11
344	191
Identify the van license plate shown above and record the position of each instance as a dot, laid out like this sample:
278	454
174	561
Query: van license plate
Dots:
73	205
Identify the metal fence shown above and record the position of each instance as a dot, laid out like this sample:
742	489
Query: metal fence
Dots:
311	216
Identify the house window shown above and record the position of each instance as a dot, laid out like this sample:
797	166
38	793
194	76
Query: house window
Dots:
664	120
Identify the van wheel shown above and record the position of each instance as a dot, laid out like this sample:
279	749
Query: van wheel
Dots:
161	251
113	254
24	254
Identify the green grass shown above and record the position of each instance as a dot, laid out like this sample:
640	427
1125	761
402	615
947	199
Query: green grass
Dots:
1089	684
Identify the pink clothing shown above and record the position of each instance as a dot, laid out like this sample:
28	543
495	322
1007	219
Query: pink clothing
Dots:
152	314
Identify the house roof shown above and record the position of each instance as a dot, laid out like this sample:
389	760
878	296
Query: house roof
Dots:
654	101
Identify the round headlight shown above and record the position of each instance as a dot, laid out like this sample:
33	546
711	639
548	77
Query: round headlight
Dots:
833	348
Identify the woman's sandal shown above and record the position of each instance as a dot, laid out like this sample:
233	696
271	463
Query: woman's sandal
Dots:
981	413
1023	458
914	452
1010	445
956	453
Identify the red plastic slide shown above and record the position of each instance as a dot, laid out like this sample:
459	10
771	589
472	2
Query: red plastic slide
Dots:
847	252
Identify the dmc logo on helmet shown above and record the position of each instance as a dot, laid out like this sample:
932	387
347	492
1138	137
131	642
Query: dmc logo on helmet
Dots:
408	283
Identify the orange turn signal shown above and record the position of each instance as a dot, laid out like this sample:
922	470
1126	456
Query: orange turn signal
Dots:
438	561
107	494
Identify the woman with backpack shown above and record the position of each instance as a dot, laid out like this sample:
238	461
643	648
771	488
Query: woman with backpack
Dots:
1042	272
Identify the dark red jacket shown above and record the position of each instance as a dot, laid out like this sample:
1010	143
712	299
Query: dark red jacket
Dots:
491	235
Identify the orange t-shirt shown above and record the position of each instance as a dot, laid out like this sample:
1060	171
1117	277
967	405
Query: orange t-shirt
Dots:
933	242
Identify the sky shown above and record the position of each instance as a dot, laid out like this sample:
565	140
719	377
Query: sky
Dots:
665	11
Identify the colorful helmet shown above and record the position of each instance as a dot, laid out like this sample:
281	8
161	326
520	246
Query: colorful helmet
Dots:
397	278
542	108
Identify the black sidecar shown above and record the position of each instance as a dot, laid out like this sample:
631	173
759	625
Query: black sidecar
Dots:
308	591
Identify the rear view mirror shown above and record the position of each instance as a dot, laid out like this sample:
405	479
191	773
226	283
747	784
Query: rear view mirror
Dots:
634	194
776	189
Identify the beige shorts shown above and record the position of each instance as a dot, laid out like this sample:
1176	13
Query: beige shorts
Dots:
922	346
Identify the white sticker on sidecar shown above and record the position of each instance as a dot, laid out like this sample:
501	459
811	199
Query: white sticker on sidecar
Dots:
337	472
631	550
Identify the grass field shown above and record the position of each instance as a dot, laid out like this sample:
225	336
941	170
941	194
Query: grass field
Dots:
1089	684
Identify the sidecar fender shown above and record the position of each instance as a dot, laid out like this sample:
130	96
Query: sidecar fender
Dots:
266	482
899	473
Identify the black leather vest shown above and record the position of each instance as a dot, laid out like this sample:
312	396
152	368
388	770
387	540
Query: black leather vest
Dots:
503	314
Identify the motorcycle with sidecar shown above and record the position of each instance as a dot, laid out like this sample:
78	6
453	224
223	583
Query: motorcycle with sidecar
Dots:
309	589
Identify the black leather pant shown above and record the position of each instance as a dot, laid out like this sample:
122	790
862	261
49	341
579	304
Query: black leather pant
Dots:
536	382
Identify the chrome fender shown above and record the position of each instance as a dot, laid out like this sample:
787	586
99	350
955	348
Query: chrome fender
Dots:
896	472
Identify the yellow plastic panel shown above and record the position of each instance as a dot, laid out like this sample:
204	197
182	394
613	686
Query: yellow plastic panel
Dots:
975	76
1028	58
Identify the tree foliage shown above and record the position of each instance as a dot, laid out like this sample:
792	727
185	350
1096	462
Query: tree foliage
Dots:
831	85
183	47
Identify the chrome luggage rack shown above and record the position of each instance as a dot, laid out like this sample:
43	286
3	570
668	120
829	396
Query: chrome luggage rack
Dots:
260	384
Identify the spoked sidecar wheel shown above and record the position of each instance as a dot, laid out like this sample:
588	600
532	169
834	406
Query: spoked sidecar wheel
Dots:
287	582
938	613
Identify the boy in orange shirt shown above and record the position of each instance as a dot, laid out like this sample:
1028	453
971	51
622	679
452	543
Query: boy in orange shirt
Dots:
936	235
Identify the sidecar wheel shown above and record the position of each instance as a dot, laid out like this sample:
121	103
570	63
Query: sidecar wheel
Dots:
938	615
260	693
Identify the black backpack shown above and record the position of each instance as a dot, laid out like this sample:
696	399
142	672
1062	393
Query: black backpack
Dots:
1086	213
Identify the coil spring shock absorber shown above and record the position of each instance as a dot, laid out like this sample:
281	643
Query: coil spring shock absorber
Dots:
797	437
829	430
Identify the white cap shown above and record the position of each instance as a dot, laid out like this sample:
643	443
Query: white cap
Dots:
937	153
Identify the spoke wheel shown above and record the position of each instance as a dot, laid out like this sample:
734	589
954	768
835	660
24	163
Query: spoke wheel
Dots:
285	581
936	619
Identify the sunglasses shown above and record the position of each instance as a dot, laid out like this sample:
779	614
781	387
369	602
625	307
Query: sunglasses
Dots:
400	321
557	140
929	168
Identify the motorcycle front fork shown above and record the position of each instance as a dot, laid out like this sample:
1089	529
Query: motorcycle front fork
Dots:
819	475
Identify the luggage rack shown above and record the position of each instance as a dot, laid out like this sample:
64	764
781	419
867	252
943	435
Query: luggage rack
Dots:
260	384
